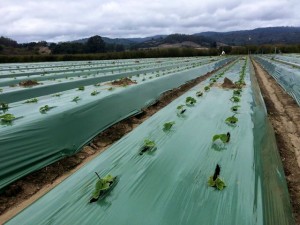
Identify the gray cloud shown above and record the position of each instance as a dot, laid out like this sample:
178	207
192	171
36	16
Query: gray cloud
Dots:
63	20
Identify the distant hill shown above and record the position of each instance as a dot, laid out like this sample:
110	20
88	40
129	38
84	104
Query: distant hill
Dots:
127	42
268	35
177	41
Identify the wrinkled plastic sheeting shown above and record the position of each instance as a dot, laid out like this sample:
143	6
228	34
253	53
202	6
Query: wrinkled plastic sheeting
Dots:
288	78
46	89
37	140
169	186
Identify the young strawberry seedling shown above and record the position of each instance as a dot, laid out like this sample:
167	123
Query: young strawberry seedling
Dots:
199	93
7	118
56	95
190	101
181	109
168	125
103	186
76	99
147	146
237	92
206	88
215	181
225	138
95	93
81	88
235	108
235	99
4	106
232	120
33	100
45	109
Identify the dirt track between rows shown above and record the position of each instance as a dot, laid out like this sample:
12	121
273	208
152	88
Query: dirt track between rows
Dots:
284	114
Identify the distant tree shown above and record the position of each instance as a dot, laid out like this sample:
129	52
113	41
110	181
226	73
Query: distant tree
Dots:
1	48
120	48
8	42
95	44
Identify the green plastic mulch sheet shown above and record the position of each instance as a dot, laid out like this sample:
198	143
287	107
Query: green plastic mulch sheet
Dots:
169	185
52	82
35	140
288	77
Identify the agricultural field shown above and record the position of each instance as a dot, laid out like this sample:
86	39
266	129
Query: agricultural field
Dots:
208	156
43	126
286	71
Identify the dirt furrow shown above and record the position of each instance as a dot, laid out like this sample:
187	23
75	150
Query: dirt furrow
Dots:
284	114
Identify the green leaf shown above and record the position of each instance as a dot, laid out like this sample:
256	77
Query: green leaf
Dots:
108	178
98	187
81	88
76	99
190	101
199	93
206	88
222	137
7	117
149	143
57	95
231	120
235	108
4	106
216	137
220	184
168	125
180	107
44	109
237	92
235	99
94	93
33	100
211	182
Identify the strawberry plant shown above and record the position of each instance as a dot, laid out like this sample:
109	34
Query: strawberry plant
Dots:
235	108
111	89
33	100
237	92
56	95
235	99
103	186
1	90
231	120
81	88
225	138
45	108
147	146
206	88
7	118
76	99
199	93
3	106
95	93
181	109
190	101
215	181
168	125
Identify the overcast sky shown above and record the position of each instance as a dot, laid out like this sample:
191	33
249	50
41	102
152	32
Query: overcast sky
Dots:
63	20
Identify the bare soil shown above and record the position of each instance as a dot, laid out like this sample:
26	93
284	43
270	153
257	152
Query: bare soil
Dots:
123	82
284	114
28	83
228	83
28	189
